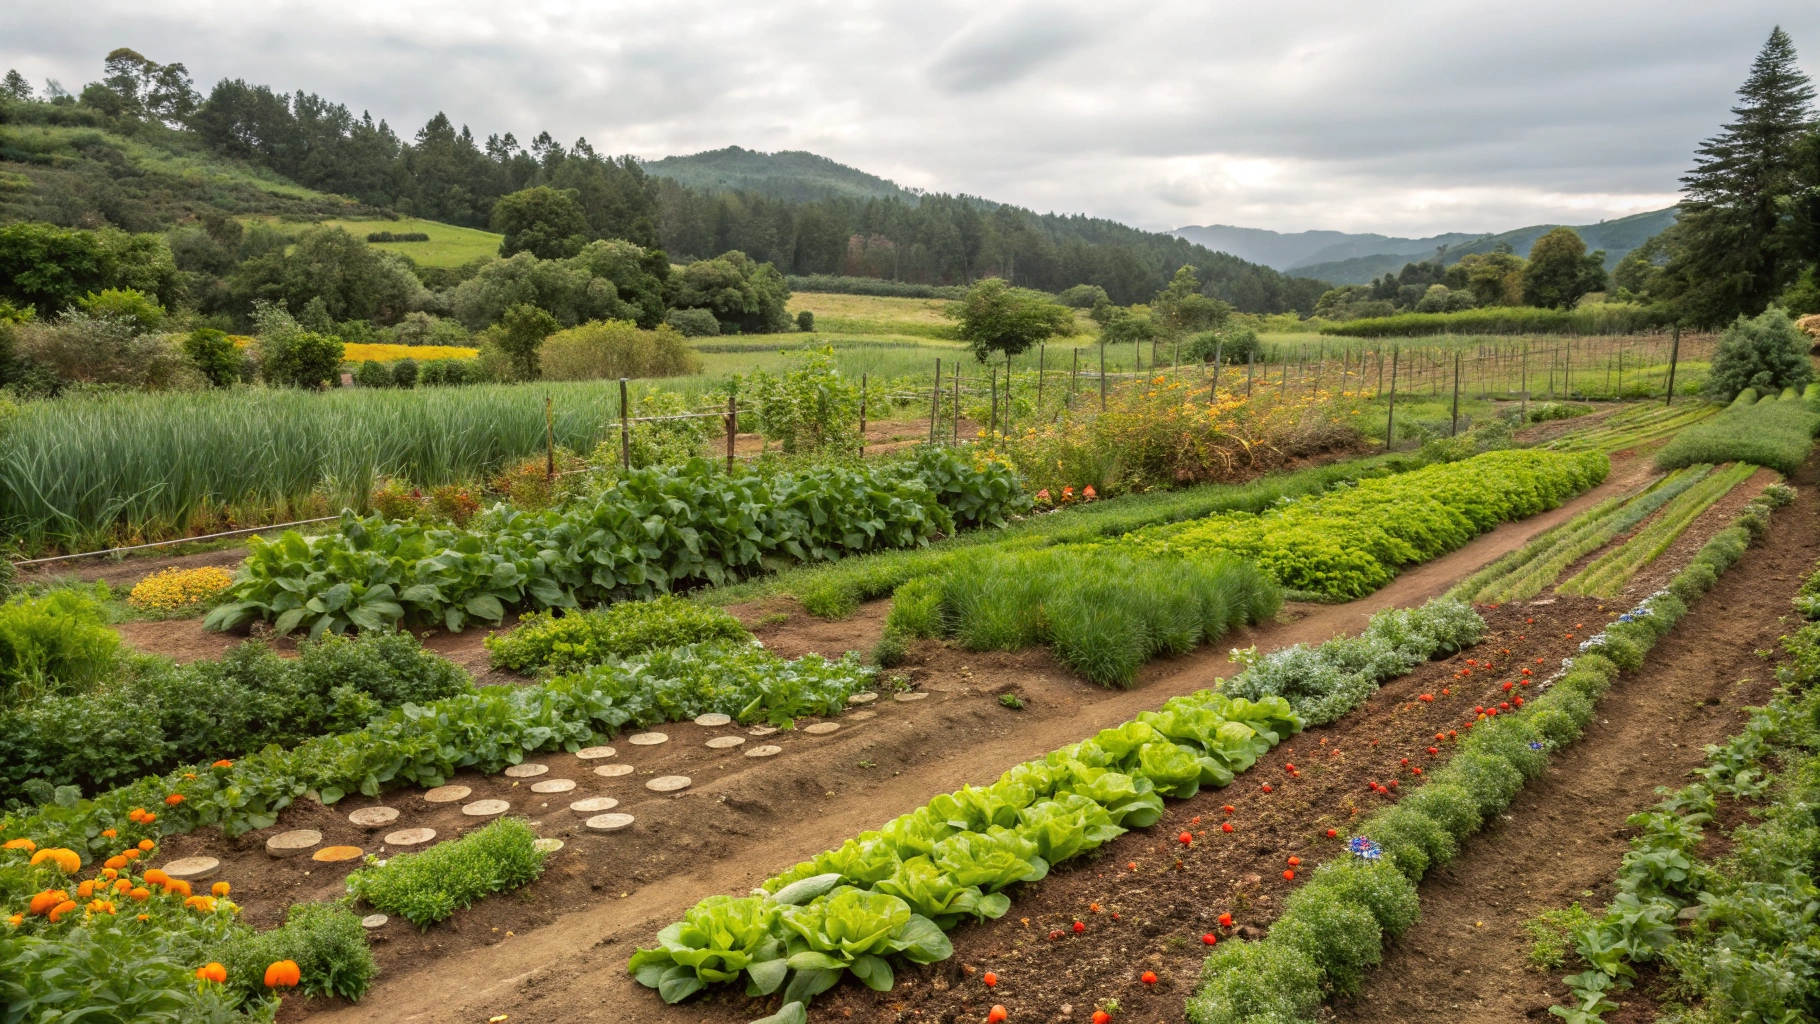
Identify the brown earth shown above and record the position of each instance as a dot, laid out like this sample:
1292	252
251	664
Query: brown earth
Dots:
743	819
1563	838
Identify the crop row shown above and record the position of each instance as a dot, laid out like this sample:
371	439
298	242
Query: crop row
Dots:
648	532
1775	431
1743	954
897	889
1332	929
1349	542
1632	427
1608	574
1525	572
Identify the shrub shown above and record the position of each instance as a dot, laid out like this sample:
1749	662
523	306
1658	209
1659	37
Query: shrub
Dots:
1769	433
1255	983
83	348
615	348
447	372
326	941
431	886
1603	318
805	321
1339	936
214	355
1235	345
1767	353
53	645
404	373
126	304
300	359
372	374
545	641
694	323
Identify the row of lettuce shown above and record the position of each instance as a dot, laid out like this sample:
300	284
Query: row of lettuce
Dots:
1331	931
646	532
1733	934
897	889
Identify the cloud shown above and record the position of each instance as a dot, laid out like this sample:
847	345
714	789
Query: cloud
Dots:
1408	119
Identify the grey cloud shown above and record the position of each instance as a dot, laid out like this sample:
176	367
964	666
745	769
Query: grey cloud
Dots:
997	49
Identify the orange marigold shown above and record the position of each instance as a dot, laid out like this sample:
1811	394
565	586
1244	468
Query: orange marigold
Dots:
61	909
43	902
20	844
67	861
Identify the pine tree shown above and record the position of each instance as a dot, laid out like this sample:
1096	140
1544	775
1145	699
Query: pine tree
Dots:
1730	249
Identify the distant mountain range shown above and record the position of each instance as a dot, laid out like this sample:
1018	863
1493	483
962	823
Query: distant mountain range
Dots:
791	175
1344	258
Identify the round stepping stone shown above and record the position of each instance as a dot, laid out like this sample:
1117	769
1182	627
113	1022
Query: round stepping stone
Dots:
292	843
668	783
594	805
547	845
714	720
862	715
647	739
764	751
410	837
338	854
190	869
861	698
447	794
613	771
595	753
485	808
908	697
374	817
553	786
762	730
609	822
821	728
725	742
372	921
526	771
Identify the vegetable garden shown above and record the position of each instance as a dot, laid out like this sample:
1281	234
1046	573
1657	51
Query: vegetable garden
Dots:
1279	819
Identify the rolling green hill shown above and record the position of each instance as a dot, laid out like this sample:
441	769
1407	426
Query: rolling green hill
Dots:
790	175
1616	237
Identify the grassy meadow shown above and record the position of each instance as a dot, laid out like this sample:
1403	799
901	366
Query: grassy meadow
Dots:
449	246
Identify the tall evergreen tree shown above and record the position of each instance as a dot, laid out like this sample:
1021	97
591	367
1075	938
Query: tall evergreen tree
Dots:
1731	250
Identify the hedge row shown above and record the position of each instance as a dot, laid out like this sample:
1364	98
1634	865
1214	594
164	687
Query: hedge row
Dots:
1332	930
1608	318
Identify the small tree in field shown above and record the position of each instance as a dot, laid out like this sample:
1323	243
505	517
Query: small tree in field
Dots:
995	317
1560	270
520	334
1767	353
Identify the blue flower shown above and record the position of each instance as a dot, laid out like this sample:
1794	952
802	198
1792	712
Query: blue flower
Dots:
1364	847
1535	745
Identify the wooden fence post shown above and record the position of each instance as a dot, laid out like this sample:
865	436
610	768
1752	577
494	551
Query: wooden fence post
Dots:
1390	421
935	399
732	427
1674	356
862	415
625	427
1455	431
549	441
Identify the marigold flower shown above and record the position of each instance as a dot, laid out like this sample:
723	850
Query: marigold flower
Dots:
61	909
116	862
20	844
67	861
140	895
220	888
146	844
173	800
43	902
212	972
156	876
110	833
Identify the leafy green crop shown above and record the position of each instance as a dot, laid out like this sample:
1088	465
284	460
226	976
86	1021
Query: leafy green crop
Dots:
650	531
546	641
1773	432
1347	543
428	887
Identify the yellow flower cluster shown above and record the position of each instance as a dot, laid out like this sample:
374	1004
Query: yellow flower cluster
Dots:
172	589
363	353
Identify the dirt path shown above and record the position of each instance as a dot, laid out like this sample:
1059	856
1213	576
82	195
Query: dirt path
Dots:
1562	840
752	819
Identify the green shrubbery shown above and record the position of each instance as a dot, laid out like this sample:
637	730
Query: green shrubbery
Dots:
1105	612
1765	354
1603	318
160	715
546	641
326	942
56	644
1774	432
648	532
428	887
744	680
1348	543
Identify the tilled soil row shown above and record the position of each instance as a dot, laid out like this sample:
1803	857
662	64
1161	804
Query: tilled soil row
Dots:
1561	841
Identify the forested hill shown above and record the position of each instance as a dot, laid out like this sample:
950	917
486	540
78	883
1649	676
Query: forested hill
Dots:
144	151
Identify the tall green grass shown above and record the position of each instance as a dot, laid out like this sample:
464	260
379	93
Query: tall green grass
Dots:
1104	612
1777	432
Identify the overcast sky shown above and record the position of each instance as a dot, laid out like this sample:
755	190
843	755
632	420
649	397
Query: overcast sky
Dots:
1405	118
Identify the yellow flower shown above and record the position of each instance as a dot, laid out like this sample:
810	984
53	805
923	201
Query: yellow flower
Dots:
172	589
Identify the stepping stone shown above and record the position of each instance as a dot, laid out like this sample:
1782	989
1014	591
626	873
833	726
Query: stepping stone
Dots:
594	805
725	742
668	783
190	869
764	751
410	837
374	817
647	739
338	854
714	720
553	786
547	845
595	753
862	698
860	716
485	808
447	794
609	822
762	730
908	697
526	771
613	771
372	921
821	728
292	843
